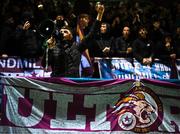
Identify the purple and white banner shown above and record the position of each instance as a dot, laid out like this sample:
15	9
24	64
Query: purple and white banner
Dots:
16	66
126	68
54	105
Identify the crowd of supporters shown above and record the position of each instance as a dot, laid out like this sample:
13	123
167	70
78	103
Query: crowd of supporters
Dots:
135	29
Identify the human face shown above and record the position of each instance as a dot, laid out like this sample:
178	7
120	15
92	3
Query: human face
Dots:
59	17
156	24
103	28
84	21
67	35
126	32
168	39
178	30
143	32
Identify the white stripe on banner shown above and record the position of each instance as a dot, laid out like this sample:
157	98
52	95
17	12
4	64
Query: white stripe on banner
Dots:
41	106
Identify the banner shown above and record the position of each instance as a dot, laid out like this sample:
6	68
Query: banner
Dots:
62	106
126	68
16	66
178	67
109	68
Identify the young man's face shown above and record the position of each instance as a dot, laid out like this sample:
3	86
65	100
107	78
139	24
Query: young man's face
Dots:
143	32
84	21
67	35
103	28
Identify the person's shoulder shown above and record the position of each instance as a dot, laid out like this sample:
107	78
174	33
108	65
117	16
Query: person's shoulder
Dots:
75	45
118	38
136	40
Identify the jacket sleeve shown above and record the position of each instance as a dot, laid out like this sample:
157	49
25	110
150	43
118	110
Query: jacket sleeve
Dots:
120	49
136	51
86	42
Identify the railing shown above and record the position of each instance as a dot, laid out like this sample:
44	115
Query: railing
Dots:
106	68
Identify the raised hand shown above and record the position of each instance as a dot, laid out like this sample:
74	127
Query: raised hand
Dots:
27	25
100	9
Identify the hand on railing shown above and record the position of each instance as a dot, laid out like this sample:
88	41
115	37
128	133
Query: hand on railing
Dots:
147	61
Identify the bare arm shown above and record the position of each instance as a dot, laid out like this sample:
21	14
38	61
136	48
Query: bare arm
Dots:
100	9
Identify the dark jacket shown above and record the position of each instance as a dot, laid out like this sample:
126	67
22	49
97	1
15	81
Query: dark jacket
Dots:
143	48
65	57
8	44
120	47
177	46
29	42
163	53
99	42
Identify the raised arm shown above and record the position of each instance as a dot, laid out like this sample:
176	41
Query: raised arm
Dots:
100	10
84	44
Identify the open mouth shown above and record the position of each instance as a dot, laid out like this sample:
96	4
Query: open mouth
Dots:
144	115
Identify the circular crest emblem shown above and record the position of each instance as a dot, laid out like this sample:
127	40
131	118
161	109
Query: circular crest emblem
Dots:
139	109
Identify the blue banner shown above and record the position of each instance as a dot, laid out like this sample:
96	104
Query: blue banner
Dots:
125	68
178	67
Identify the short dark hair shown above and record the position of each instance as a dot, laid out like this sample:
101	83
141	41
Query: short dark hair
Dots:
142	27
67	27
83	15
